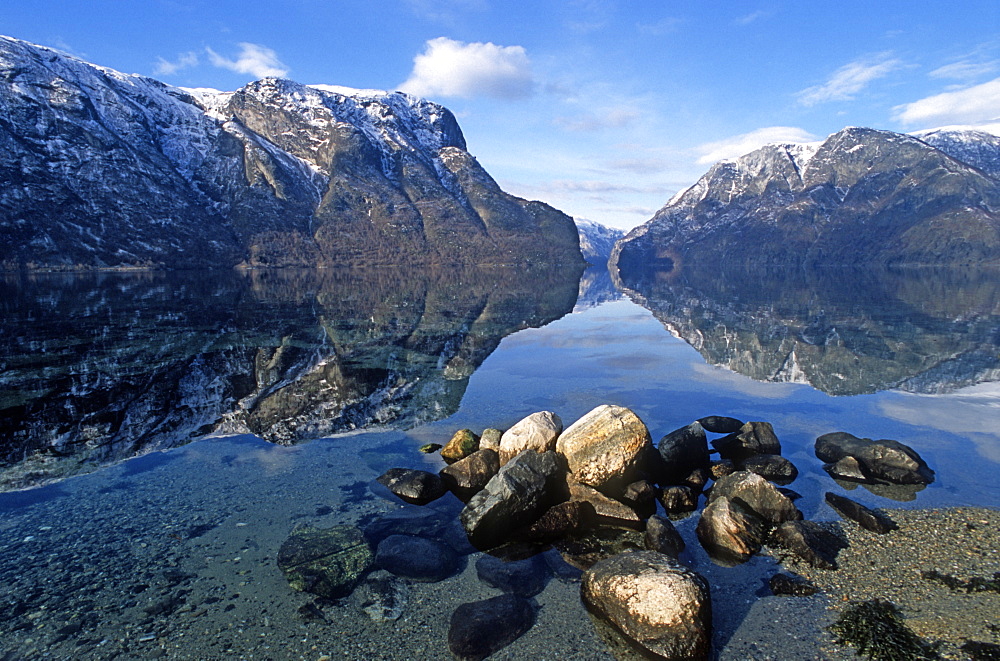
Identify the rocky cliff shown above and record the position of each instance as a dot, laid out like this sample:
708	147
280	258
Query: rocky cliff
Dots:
102	169
861	197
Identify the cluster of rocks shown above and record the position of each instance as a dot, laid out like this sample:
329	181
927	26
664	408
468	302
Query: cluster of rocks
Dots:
544	500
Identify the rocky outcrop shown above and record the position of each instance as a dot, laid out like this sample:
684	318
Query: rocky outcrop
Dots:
659	604
103	169
865	460
861	197
597	241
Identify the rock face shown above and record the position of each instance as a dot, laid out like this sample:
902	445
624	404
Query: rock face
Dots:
327	562
606	447
882	460
273	174
536	432
861	197
514	498
658	603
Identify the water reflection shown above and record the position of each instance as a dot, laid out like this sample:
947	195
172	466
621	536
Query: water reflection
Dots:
97	368
842	331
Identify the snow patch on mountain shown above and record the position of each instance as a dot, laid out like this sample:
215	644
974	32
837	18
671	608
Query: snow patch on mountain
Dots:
597	240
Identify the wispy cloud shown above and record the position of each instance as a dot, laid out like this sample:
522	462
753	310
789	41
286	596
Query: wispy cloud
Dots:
738	145
184	61
966	70
254	59
660	28
444	11
616	117
750	18
454	68
638	165
979	103
850	79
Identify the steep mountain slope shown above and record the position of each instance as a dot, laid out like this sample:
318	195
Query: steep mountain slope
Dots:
861	197
977	148
103	169
597	240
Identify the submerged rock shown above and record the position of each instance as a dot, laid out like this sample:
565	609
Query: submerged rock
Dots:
525	577
881	460
416	487
326	562
536	432
810	541
480	628
417	558
659	604
382	596
516	496
679	499
866	518
584	550
605	448
791	585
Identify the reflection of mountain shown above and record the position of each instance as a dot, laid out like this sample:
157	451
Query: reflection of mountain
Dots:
95	369
842	331
596	287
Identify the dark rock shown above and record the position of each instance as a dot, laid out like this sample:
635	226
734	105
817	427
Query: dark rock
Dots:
467	477
462	444
413	486
521	577
606	448
407	521
683	450
327	562
382	596
757	494
791	585
866	518
698	478
679	499
662	537
640	493
790	494
583	550
608	510
771	467
810	541
516	496
480	628
881	460
416	558
721	468
846	468
720	424
659	604
730	532
561	520
753	438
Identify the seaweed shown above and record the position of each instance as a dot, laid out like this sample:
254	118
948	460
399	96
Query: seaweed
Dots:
877	630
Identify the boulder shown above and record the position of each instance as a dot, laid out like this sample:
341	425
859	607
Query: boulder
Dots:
683	450
868	519
461	445
659	604
881	460
417	558
561	520
480	628
417	521
697	479
679	499
641	496
720	424
662	537
721	468
608	510
525	577
756	494
809	541
752	438
605	448
584	550
516	496
536	432
326	562
467	477
382	596
490	439
791	585
772	467
846	468
730	532
416	487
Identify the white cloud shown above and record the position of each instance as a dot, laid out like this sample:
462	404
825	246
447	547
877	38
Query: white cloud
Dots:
750	18
738	145
980	103
454	68
965	70
254	59
849	79
184	61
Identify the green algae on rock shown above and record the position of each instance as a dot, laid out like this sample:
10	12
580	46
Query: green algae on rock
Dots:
325	561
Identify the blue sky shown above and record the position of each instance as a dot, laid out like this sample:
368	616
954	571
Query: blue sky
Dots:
601	108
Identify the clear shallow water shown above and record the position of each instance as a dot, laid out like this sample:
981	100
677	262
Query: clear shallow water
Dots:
173	553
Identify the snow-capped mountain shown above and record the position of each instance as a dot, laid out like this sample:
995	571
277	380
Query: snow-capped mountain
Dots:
980	149
861	197
104	169
597	240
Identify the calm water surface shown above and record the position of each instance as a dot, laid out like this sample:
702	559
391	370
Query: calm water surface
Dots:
162	434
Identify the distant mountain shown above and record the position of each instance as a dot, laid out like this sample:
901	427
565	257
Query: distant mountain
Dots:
103	169
597	240
977	148
861	197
